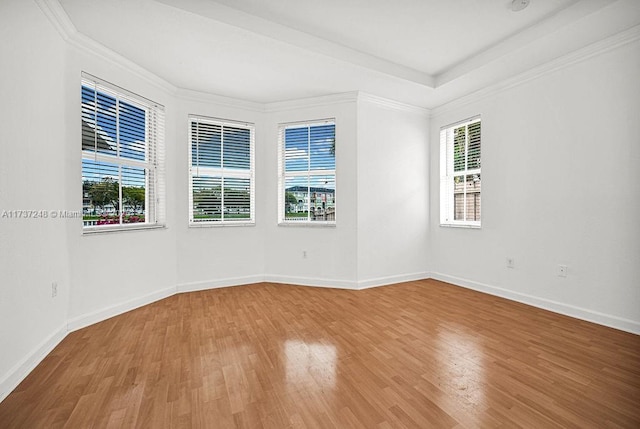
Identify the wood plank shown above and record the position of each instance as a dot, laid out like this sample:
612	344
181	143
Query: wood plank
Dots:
416	354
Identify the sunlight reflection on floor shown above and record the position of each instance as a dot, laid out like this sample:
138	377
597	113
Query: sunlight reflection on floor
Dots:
463	372
310	365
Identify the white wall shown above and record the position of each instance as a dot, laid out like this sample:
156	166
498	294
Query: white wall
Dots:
33	176
331	251
100	275
561	185
113	272
219	255
393	166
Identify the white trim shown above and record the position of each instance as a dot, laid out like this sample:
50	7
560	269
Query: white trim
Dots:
118	92
392	104
307	223
573	15
219	100
307	103
390	280
90	46
218	283
544	303
125	227
269	278
219	121
218	224
23	368
311	281
463	122
307	124
115	159
58	17
603	46
96	316
301	39
459	224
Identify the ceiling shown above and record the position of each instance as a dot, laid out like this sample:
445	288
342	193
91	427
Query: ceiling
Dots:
429	36
420	52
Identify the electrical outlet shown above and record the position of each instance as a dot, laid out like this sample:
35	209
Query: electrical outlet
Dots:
510	263
562	271
304	254
54	289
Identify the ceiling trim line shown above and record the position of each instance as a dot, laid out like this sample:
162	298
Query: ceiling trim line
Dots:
310	102
56	14
392	104
300	39
598	48
548	25
184	94
58	17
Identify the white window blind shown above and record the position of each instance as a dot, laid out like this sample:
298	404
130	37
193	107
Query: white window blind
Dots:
122	158
307	181
460	174
221	172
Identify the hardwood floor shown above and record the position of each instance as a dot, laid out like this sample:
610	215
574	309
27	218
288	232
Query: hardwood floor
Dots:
422	354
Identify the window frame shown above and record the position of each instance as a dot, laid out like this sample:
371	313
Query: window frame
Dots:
282	174
228	173
153	164
447	174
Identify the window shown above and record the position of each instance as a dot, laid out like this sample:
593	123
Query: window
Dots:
221	172
460	174
122	154
307	162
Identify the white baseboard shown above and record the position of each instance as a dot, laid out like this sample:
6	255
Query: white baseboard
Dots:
311	281
108	312
389	280
214	284
20	371
546	304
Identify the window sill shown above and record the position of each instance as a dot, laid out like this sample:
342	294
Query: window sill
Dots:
219	224
467	226
308	224
106	229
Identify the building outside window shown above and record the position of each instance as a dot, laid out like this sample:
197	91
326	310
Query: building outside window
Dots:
460	174
221	172
307	163
122	158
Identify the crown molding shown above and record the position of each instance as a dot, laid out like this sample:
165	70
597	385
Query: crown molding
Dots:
544	27
301	39
305	103
392	104
598	48
58	17
91	47
323	100
56	14
219	100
